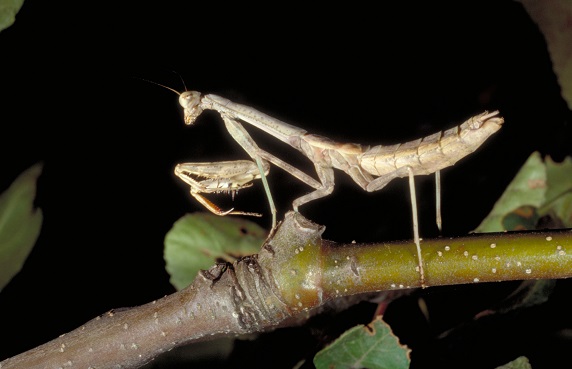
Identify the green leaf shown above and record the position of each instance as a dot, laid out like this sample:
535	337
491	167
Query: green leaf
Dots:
521	218
373	346
518	363
559	191
527	188
529	293
553	20
540	189
8	11
20	223
198	240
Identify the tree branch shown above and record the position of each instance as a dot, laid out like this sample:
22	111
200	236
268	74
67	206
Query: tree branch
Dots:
295	274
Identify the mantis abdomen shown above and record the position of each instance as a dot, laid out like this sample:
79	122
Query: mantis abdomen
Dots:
432	153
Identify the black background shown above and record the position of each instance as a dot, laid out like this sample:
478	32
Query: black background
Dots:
72	98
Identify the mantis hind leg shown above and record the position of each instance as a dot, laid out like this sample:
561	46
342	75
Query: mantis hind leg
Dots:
438	218
416	224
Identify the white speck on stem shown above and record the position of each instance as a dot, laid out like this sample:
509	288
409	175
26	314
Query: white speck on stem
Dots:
474	257
466	253
475	280
447	248
494	270
548	238
528	271
440	253
493	245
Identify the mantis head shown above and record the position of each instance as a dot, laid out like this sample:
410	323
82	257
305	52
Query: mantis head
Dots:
189	100
191	103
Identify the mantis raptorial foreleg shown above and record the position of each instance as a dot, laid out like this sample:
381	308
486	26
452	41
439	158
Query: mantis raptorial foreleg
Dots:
225	176
372	168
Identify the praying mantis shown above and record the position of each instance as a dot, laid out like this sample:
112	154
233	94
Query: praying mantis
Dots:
372	168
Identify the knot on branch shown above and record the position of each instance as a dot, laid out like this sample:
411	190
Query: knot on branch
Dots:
254	296
262	291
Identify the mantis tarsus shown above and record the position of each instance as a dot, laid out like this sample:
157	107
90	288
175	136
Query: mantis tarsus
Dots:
372	168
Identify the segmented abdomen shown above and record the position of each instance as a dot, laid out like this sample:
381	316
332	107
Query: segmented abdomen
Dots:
437	151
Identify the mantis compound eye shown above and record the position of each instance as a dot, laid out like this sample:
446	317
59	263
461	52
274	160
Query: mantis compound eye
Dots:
190	99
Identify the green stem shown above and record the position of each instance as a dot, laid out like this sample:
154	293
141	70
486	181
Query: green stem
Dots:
313	272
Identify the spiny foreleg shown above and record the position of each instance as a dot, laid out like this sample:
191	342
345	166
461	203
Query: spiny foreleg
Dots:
224	176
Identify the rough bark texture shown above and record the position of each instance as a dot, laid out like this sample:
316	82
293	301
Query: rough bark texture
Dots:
227	299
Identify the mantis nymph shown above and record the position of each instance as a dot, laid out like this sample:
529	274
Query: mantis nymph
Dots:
372	168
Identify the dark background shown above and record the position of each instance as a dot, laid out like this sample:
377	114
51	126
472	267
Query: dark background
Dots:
72	98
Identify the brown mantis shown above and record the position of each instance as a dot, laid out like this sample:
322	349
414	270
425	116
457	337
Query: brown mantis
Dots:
372	168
